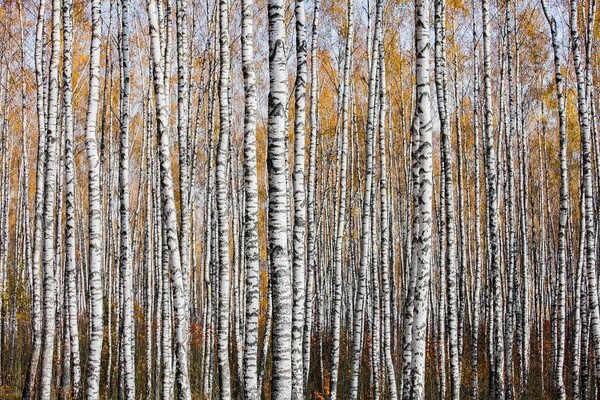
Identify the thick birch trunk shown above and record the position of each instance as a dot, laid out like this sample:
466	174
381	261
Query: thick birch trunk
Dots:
95	212
423	198
278	205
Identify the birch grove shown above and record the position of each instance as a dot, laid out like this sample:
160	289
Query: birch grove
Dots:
277	199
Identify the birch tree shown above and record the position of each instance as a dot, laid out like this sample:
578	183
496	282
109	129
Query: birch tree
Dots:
251	250
492	208
72	336
95	212
126	327
422	228
384	209
299	258
49	257
449	259
222	202
278	206
564	207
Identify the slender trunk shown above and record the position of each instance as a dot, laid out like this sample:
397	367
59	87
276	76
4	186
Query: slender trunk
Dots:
449	258
251	250
50	199
222	203
563	212
95	212
183	105
478	252
385	218
299	257
492	206
126	326
311	198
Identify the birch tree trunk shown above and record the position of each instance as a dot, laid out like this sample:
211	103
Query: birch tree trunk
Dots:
477	205
183	105
70	261
385	217
278	205
311	198
251	250
50	255
299	257
423	198
563	212
126	322
511	205
409	301
95	212
222	202
449	259
492	206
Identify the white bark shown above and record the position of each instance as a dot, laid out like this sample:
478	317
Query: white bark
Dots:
251	250
423	197
278	205
125	258
183	100
70	261
299	257
492	206
477	205
95	212
563	212
449	258
52	138
222	203
385	217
